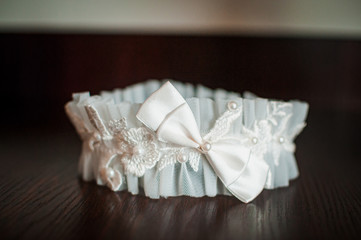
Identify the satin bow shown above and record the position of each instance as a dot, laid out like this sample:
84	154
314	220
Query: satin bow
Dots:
167	113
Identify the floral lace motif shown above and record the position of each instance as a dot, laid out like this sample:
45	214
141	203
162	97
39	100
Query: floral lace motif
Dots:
140	150
223	125
257	137
261	134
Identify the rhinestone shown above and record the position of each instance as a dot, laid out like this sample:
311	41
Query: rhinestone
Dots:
232	105
281	140
254	140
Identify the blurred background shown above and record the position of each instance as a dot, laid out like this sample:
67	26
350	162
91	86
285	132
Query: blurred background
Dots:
309	50
284	49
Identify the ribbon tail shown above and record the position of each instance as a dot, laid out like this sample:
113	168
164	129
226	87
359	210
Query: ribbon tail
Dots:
241	172
251	181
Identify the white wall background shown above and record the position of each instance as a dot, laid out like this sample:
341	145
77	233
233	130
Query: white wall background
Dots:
336	18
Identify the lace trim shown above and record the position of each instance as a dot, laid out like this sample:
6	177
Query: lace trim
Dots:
137	149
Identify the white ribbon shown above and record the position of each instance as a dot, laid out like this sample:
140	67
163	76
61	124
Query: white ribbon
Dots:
167	113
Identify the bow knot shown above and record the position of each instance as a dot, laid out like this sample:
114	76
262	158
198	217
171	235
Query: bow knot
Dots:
167	113
205	147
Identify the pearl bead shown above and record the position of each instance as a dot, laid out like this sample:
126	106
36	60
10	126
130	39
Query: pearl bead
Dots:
182	157
254	140
232	105
206	147
138	150
281	140
110	173
98	137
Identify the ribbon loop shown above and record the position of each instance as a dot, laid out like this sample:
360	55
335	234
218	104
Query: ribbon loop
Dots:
180	127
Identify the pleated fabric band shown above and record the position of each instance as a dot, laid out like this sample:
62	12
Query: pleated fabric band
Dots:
171	139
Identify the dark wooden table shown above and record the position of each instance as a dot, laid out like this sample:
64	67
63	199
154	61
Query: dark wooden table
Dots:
41	195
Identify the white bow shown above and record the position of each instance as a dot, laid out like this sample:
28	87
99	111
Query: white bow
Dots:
167	113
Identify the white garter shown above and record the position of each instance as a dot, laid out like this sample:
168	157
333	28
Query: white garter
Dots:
123	150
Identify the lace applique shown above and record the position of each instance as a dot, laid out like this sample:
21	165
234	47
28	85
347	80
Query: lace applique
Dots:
281	137
276	111
172	155
258	137
223	124
138	147
286	140
117	126
193	159
141	151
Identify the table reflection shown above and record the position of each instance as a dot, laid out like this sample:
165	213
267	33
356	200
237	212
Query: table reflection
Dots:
137	216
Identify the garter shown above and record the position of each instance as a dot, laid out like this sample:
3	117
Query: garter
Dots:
171	139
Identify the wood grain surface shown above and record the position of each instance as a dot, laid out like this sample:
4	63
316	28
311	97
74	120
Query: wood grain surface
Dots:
42	197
